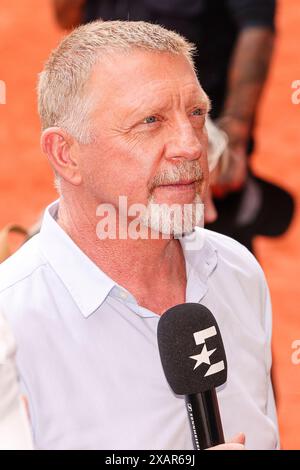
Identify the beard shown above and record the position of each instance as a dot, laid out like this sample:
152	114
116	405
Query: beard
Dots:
175	220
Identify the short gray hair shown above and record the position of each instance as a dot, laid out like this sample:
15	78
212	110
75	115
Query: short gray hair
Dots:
62	100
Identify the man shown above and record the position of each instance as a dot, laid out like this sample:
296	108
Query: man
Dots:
85	295
234	40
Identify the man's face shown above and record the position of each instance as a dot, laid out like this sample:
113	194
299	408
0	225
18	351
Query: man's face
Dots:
149	124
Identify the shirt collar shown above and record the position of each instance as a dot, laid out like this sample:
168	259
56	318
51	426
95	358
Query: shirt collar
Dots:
201	259
89	286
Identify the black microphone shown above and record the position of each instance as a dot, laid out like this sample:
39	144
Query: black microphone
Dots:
194	362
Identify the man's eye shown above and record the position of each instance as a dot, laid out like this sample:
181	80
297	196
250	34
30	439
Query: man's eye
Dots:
198	112
150	120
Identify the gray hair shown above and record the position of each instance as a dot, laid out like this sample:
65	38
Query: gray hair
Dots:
62	97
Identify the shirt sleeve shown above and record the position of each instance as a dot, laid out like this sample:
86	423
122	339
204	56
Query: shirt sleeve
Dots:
271	406
14	426
253	13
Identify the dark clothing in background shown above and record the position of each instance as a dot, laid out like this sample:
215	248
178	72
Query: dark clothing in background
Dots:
213	25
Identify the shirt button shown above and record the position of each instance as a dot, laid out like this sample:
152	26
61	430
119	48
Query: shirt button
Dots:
123	294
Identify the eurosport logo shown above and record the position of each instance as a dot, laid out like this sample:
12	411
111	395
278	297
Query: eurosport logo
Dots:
204	356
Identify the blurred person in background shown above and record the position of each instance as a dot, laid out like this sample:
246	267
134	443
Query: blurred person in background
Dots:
234	40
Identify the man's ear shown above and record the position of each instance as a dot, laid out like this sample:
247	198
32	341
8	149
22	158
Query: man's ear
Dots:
62	152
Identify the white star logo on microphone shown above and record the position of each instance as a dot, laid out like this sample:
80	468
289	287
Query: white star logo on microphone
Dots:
203	357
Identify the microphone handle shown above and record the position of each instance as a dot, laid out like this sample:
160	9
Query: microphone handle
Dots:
205	420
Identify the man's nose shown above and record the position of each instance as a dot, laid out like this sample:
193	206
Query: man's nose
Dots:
185	143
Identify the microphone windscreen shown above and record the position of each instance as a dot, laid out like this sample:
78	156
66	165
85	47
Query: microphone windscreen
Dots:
191	349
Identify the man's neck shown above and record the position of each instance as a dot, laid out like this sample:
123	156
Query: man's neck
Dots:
147	268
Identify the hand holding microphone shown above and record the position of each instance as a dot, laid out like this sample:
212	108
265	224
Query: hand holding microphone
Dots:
194	362
236	443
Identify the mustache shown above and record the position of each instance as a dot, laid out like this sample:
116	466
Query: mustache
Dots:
183	171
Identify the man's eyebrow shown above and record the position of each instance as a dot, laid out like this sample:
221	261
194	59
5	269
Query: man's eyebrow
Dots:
205	103
208	104
146	106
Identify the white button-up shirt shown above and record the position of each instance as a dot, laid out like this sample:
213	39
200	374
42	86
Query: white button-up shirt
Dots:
14	426
88	355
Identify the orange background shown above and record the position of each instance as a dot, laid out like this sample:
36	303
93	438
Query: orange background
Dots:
28	33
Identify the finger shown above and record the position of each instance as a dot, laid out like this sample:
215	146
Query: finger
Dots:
240	438
228	446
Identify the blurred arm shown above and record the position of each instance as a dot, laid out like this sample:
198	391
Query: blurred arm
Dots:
247	75
248	70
